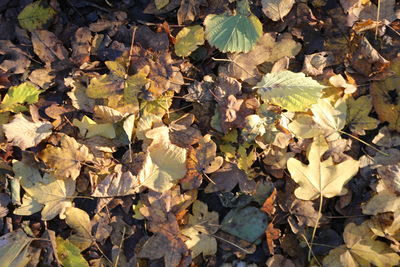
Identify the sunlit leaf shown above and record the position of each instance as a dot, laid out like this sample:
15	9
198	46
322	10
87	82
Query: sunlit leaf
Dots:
289	90
233	33
188	39
16	96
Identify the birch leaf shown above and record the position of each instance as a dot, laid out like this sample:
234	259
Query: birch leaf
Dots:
237	33
321	178
289	90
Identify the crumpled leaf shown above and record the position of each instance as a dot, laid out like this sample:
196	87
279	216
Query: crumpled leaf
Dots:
89	128
361	249
48	47
79	221
23	133
36	15
321	178
69	254
357	115
247	223
14	249
289	90
201	225
237	33
16	96
65	161
276	9
188	39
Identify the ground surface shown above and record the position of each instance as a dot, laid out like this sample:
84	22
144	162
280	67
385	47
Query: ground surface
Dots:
202	133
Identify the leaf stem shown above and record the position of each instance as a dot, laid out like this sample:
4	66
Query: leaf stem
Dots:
321	198
365	143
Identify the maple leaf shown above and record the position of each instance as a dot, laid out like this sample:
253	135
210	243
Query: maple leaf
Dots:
361	249
320	178
66	160
54	195
24	133
200	228
358	119
69	254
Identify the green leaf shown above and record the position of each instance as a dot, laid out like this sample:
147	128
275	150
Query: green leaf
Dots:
289	90
247	223
188	39
36	15
233	33
69	254
16	96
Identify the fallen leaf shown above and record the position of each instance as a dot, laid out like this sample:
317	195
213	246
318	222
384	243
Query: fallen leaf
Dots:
387	138
320	178
289	90
69	254
16	96
357	115
55	196
14	248
331	118
36	15
188	39
237	33
267	49
89	128
251	228
361	249
15	62
276	9
48	47
226	178
315	64
386	106
79	221
23	133
200	228
66	160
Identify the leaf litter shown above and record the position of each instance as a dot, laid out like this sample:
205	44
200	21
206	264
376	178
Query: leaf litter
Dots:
199	133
